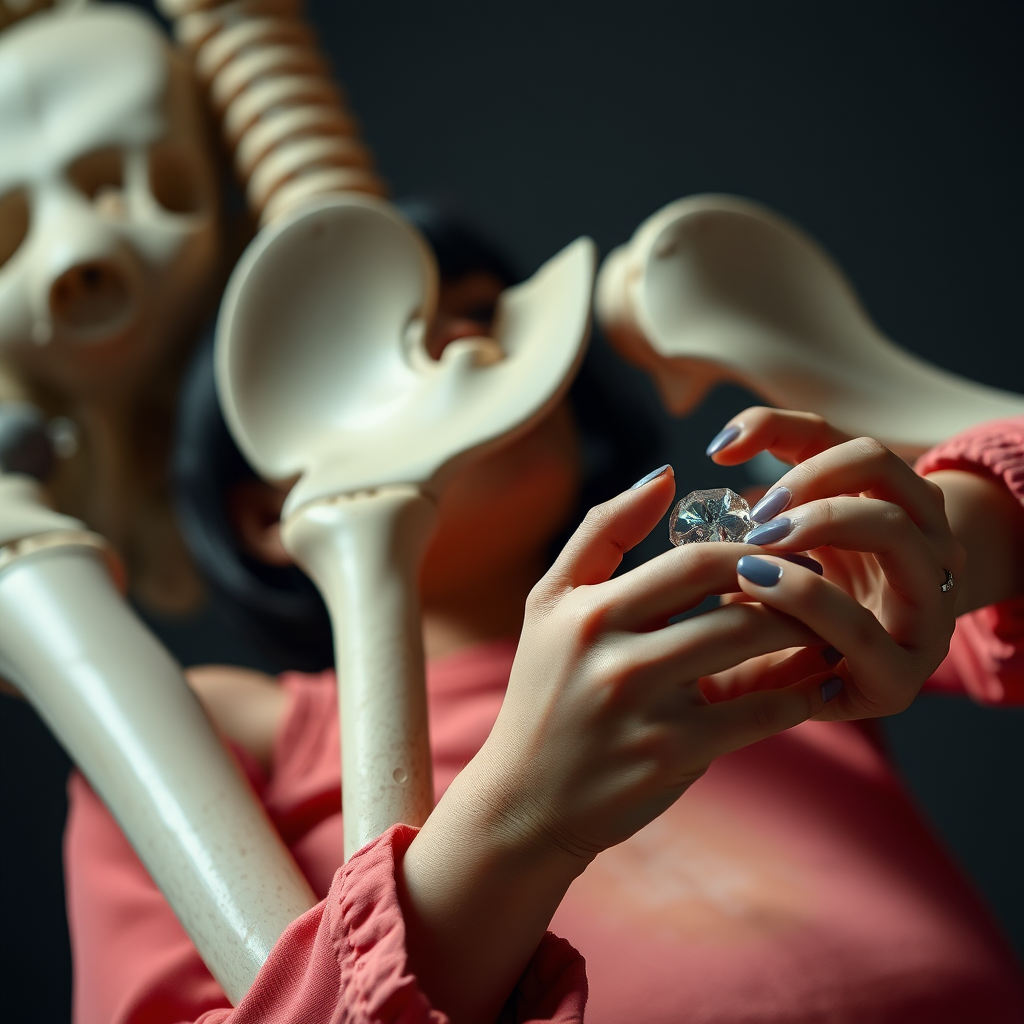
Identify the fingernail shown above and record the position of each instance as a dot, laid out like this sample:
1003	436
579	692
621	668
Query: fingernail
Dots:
830	688
831	656
771	504
759	570
653	475
769	533
724	438
805	560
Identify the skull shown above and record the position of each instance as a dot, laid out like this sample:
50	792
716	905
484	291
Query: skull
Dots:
108	225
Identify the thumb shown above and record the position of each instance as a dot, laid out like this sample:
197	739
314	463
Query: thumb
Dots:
609	530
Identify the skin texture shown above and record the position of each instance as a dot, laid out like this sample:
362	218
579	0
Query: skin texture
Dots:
607	718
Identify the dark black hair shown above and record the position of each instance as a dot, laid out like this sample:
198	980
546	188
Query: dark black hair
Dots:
25	445
279	608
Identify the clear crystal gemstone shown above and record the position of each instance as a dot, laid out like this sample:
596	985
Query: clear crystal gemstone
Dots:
712	515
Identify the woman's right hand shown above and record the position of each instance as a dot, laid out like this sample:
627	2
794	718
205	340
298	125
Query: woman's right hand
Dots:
602	728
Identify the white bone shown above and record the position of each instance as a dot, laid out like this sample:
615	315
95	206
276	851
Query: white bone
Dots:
120	706
716	288
322	372
75	85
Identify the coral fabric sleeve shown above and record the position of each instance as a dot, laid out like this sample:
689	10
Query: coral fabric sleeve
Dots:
344	960
793	884
986	655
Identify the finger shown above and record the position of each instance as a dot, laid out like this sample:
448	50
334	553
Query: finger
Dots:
884	675
770	672
715	641
673	582
910	565
677	581
609	530
790	436
718	729
861	466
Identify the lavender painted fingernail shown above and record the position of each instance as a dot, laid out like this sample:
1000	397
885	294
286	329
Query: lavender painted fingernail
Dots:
759	571
769	533
653	475
724	438
831	656
830	688
771	504
805	560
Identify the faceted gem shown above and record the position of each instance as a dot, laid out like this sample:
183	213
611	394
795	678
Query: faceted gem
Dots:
712	515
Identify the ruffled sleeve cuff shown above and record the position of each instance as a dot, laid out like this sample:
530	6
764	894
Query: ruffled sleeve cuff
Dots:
345	960
986	655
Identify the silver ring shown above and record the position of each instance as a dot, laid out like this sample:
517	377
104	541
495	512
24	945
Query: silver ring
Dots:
948	585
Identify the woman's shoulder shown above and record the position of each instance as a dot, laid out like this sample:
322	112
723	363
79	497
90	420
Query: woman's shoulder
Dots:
245	706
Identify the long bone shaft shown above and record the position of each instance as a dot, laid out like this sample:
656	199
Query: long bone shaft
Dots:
359	520
364	553
120	706
322	373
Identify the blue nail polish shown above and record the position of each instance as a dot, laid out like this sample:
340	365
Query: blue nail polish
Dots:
723	439
653	475
805	560
769	533
830	688
759	571
771	504
831	656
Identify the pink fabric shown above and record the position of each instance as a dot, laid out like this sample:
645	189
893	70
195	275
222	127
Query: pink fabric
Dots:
344	960
986	656
793	883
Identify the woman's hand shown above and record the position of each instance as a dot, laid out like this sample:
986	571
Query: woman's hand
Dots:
879	530
604	724
602	728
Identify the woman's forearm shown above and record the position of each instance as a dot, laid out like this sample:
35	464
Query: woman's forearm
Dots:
989	522
477	900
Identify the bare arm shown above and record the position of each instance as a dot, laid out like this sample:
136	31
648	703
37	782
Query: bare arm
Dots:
246	707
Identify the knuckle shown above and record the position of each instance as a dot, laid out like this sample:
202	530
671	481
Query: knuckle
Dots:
587	612
539	597
609	677
765	717
828	511
935	493
871	451
756	416
864	629
896	519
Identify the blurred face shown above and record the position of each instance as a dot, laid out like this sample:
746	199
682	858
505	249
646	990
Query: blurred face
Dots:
503	509
108	231
498	512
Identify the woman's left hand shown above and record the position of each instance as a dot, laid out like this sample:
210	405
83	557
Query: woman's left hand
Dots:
880	532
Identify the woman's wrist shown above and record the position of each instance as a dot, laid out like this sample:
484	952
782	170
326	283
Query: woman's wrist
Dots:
477	896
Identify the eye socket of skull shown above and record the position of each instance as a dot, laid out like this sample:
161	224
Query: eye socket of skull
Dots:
14	221
177	183
99	175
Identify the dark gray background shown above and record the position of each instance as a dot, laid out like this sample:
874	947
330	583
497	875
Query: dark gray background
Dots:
890	131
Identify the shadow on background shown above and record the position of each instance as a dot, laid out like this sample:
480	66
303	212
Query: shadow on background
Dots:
891	132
